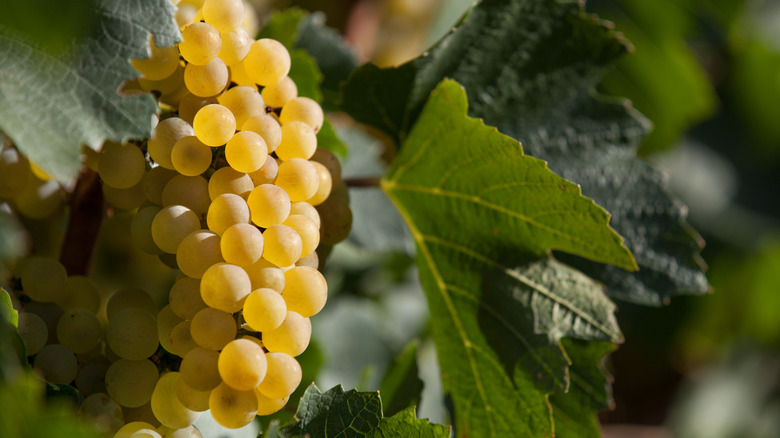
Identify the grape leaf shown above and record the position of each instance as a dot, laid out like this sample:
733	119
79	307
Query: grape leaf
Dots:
401	386
53	102
498	310
529	68
405	424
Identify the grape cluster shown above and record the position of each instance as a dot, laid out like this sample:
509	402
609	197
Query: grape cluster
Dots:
231	190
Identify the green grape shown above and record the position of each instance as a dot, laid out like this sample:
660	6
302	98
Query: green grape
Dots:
214	124
200	43
264	309
265	274
79	330
303	109
199	369
197	252
121	165
33	331
131	382
43	278
190	104
133	429
15	173
189	191
298	141
225	15
164	136
229	180
307	229
336	220
224	287
212	329
282	245
298	177
102	412
184	297
246	151
331	162
268	205
128	299
143	413
55	363
191	398
306	209
124	199
166	321
243	101
155	180
166	405
168	260
190	157
232	408
50	313
305	290
291	337
235	46
324	186
206	80
182	341
266	174
225	211
242	245
91	377
141	229
39	199
267	406
282	377
132	334
267	127
161	64
185	432
242	364
280	93
267	62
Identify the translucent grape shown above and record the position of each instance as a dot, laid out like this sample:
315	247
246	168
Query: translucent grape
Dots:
131	382
190	157
298	177
266	174
154	182
79	330
291	337
265	274
312	260
229	180
128	299
184	297
306	209
141	229
267	62
190	104
242	364
246	151
206	80
225	15
181	338
267	127
324	186
242	244
199	369
264	309
171	225
166	405
244	102
55	363
191	398
166	321
225	211
298	141
235	46
283	245
132	334
214	125
33	331
164	136
161	64
186	432
197	252
121	165
232	408
282	377
336	220
212	329
189	191
103	412
131	430
307	229
124	199
305	290
224	287
269	205
303	109
331	162
201	42
280	93
165	85
43	278
238	73
267	406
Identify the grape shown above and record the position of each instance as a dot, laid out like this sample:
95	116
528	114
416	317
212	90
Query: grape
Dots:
324	186
232	408
224	287
79	330
199	369
307	229
130	298
132	334
33	331
282	377
43	278
235	46
264	309
229	180
15	173
131	382
190	104
292	337
155	180
50	313
166	85
91	377
242	364
185	298
206	80
298	177
267	127
212	329
56	364
214	124
238	73
266	174
244	102
190	157
166	321
166	405
125	199
197	252
164	136
186	432
246	151
336	220
161	64
306	209
305	290
242	244
185	14
225	211
89	157
283	245
298	141
101	411
267	62
141	229
39	199
200	43
265	274
225	15
268	205
182	341
143	413
121	165
190	398
331	162
136	429
303	109
267	406
312	260
280	93
189	191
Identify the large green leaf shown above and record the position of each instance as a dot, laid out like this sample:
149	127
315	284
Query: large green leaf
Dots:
401	385
52	102
482	215
529	67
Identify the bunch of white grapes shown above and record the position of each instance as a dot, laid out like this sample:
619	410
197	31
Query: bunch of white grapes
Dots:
234	192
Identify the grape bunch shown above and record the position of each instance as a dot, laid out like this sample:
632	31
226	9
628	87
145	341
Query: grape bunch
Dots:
232	191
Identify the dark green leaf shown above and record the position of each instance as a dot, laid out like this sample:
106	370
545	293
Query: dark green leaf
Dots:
283	27
306	75
53	102
328	139
401	386
7	312
405	424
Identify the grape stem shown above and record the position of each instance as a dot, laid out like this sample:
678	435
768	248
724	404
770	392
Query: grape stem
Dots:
368	181
85	219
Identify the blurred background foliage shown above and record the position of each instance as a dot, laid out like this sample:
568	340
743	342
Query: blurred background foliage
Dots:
707	73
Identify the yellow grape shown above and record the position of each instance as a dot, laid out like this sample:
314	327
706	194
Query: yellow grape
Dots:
171	225
214	125
266	174
206	80
291	337
225	15
161	64
282	377
298	177
164	136
305	110
269	205
213	329
307	229
242	244
191	398
246	151
182	341
121	165
265	274
278	94
305	290
201	42
189	191
190	104
228	180
242	364
154	182
235	46
298	141
306	209
224	287
190	156
243	101
324	187
232	408
166	321
198	252
282	245
267	127
264	309
135	429
238	73
184	297
312	260
166	405
167	85
331	162
132	334
225	211
199	369
267	62
267	406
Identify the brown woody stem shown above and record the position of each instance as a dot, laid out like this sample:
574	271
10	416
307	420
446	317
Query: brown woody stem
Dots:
86	217
369	181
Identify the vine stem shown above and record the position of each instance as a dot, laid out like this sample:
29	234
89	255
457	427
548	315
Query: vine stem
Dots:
85	219
368	181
